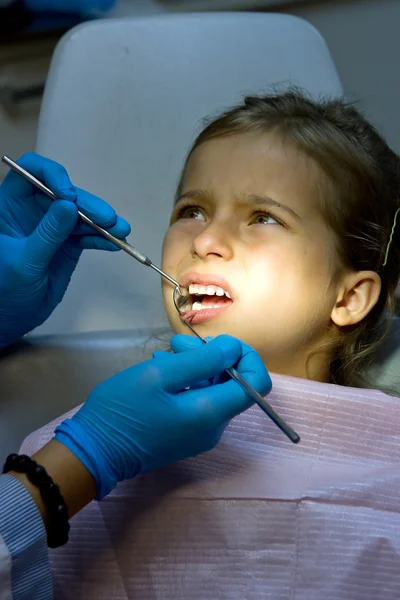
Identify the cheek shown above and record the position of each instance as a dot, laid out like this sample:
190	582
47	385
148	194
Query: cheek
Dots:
170	250
287	280
267	266
174	250
177	243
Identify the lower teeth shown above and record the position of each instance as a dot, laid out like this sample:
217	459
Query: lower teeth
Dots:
199	306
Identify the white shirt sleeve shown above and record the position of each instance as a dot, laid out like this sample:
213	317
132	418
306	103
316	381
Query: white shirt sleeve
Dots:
24	562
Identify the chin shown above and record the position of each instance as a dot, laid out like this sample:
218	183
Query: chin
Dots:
213	329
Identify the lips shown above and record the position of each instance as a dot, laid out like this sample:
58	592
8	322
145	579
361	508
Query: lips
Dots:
206	314
204	279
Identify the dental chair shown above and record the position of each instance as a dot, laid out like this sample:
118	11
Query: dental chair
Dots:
123	101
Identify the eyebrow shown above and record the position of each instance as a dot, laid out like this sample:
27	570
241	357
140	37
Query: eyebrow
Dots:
242	199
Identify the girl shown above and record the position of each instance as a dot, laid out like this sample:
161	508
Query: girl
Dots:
284	230
287	207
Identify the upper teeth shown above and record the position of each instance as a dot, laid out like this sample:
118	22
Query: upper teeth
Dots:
209	290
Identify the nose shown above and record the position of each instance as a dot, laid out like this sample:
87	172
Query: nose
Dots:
216	240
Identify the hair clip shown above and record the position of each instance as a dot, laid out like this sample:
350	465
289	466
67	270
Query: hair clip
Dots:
391	237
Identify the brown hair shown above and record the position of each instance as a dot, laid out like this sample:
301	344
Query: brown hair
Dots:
362	191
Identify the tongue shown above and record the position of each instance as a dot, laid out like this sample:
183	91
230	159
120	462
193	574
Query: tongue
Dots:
215	301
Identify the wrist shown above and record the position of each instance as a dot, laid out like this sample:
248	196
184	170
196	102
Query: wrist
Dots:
75	483
76	438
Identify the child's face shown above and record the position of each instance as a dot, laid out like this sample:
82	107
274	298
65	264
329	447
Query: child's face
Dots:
277	266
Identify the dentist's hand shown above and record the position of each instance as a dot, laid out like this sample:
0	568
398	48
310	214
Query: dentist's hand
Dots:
41	241
144	417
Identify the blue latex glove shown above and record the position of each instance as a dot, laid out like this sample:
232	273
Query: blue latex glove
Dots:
41	241
144	418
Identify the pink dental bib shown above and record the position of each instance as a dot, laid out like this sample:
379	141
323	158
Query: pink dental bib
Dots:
257	517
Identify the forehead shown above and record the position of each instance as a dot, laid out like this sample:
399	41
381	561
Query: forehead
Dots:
254	163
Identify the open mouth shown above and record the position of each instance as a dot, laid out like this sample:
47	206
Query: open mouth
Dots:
205	302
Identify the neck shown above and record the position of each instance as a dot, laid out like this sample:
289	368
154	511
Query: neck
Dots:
306	366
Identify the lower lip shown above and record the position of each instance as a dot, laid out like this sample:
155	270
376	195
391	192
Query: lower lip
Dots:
206	314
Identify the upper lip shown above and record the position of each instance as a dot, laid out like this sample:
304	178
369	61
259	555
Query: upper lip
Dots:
206	279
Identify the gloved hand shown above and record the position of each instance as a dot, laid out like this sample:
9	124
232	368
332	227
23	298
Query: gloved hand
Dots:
144	418
41	241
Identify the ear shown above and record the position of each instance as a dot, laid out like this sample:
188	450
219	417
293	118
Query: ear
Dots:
358	294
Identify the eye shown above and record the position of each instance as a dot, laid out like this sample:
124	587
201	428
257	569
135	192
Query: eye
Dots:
265	218
189	211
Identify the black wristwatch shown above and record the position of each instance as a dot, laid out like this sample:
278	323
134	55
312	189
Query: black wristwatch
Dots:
14	16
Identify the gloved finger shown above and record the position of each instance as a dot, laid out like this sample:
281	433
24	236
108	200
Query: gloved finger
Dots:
198	364
66	263
252	368
229	398
160	354
89	242
181	342
121	229
51	173
96	209
51	233
98	242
